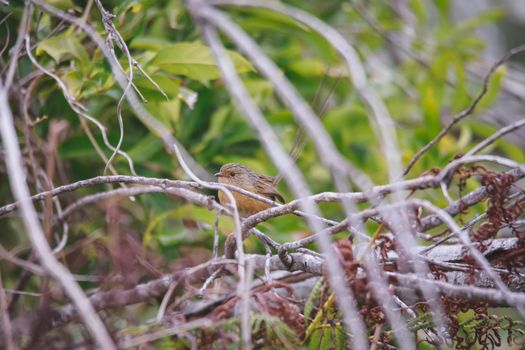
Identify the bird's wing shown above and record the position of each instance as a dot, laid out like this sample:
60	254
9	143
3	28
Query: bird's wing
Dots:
275	196
266	188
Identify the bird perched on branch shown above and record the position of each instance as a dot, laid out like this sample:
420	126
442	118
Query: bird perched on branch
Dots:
247	179
263	185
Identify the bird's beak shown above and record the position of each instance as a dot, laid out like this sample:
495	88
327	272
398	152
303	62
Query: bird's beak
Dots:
219	174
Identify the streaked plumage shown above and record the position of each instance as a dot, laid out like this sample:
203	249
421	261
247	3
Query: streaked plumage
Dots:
245	178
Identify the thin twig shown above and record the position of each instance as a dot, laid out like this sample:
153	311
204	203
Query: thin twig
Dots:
6	321
466	112
22	31
114	36
500	133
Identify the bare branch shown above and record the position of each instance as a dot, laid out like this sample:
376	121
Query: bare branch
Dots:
135	191
287	167
481	291
500	133
34	230
163	183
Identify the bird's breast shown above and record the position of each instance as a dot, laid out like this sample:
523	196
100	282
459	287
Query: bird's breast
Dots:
246	205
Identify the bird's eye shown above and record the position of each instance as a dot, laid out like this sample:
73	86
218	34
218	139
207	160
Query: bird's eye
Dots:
232	174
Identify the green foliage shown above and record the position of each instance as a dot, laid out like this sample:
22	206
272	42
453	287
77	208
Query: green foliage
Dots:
313	298
422	90
272	332
194	61
64	46
326	328
163	39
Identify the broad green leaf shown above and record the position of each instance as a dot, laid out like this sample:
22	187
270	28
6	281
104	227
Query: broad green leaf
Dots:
195	61
62	46
168	84
308	67
149	43
77	148
471	46
73	82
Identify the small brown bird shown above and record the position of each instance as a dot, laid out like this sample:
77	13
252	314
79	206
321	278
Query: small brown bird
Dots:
245	178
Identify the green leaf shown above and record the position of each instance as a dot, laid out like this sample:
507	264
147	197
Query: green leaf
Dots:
195	61
430	109
145	149
315	340
62	46
216	128
340	337
149	43
326	342
74	82
461	98
200	214
169	85
259	89
439	67
167	112
514	151
308	67
313	298
465	137
264	19
61	4
493	88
